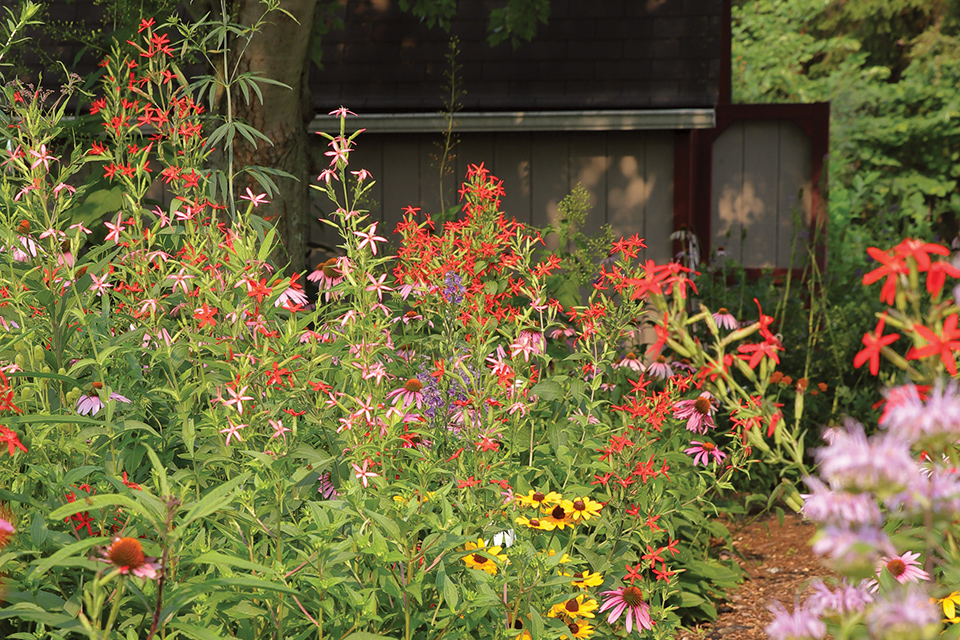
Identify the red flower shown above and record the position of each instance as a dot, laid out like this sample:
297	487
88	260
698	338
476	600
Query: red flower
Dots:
633	573
918	250
891	267
10	438
873	344
937	276
944	344
205	315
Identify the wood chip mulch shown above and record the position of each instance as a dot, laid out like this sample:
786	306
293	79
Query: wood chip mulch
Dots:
778	566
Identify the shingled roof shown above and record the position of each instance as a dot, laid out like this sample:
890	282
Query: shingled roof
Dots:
603	54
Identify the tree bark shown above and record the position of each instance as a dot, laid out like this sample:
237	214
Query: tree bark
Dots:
280	51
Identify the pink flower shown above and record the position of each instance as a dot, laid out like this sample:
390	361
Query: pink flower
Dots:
905	568
127	555
409	394
279	431
528	343
255	200
362	473
725	319
89	404
698	412
703	452
629	599
232	431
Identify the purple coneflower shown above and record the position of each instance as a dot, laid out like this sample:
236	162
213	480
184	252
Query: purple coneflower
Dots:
852	551
725	319
660	369
697	412
629	599
127	555
904	568
409	394
703	451
631	361
326	489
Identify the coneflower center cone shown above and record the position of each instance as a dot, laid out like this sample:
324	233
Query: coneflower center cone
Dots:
127	552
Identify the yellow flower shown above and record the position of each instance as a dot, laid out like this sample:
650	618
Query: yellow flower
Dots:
552	552
540	499
580	629
574	608
585	579
536	523
559	517
582	508
949	605
478	561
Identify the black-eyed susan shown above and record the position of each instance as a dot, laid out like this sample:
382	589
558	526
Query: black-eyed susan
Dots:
552	552
559	517
536	523
540	499
480	561
580	629
585	579
950	605
574	608
582	509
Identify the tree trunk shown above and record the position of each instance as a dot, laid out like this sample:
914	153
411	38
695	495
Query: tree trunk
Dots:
279	52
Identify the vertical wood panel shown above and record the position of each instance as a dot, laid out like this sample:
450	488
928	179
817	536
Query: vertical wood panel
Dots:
429	157
401	177
512	165
628	186
761	157
550	179
589	164
474	148
658	212
793	192
369	155
727	190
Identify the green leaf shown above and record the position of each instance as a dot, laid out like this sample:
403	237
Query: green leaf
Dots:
100	502
217	558
71	549
213	500
547	390
363	635
192	630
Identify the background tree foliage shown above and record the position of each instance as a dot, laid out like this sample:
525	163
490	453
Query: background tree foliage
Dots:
891	69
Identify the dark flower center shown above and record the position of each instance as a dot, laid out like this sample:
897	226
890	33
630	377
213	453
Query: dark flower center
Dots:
413	385
661	359
630	356
479	559
722	310
708	446
538	497
534	522
702	405
329	268
574	628
632	596
127	552
579	506
572	605
896	567
558	513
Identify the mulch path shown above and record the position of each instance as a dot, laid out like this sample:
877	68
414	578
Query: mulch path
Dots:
778	566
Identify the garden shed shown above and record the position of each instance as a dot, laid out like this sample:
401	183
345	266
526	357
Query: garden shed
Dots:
628	98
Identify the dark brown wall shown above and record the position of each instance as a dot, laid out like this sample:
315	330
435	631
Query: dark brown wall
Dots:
599	54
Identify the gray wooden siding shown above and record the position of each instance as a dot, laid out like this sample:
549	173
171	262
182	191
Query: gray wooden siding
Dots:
761	179
629	176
